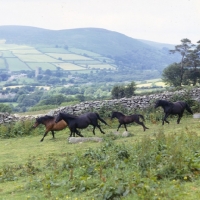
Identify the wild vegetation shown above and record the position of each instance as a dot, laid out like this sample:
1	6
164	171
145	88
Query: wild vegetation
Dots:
160	163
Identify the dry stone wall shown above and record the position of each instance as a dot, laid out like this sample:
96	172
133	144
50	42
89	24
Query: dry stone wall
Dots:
132	103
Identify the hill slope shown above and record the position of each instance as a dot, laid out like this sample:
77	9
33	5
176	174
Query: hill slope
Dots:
126	51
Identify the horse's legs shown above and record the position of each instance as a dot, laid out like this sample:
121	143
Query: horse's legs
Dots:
52	132
94	129
165	118
100	128
142	124
119	127
78	133
44	136
125	127
179	118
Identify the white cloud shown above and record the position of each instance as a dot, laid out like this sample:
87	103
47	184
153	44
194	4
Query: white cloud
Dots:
166	21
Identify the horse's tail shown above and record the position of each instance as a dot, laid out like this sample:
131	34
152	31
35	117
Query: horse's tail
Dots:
101	119
142	117
188	108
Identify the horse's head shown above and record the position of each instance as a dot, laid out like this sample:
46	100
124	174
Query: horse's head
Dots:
112	115
37	122
58	118
157	104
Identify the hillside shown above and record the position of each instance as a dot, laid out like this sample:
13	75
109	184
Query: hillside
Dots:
126	51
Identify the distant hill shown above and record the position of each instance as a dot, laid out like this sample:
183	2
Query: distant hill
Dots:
126	51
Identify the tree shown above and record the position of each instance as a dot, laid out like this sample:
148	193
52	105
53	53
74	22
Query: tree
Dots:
5	108
130	89
123	91
192	62
171	75
183	49
117	92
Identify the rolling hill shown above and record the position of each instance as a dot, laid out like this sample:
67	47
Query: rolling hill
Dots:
126	52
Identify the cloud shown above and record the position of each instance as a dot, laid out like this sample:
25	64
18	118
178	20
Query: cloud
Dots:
163	21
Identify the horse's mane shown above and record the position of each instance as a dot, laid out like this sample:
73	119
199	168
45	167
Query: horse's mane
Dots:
164	102
118	113
43	118
69	115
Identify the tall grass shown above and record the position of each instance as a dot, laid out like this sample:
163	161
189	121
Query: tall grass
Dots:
158	164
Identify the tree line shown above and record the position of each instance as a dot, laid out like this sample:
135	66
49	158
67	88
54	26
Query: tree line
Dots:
187	71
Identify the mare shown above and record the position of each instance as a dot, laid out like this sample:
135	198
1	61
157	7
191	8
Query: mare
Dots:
173	108
49	122
123	119
82	121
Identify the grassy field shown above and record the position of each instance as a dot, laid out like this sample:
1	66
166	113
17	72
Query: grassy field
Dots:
15	64
55	169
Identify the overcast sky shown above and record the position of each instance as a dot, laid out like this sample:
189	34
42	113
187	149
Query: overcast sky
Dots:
166	21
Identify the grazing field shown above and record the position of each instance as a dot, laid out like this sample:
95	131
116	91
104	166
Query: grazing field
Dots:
19	57
53	50
42	65
15	64
36	58
82	52
7	54
68	56
160	163
69	66
25	51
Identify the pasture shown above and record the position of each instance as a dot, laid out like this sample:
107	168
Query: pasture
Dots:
21	57
161	163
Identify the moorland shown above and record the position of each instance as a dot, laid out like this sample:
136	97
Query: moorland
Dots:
160	163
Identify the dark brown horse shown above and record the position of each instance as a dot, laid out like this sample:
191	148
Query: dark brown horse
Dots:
128	119
82	121
170	108
49	122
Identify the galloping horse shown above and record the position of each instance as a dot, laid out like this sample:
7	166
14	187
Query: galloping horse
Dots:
170	108
82	121
128	119
49	122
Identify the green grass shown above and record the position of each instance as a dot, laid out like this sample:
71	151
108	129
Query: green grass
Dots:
6	54
36	58
53	50
55	169
68	56
69	66
44	66
15	64
81	51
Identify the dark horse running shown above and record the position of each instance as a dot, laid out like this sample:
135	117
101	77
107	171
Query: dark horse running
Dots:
82	121
49	122
170	108
128	119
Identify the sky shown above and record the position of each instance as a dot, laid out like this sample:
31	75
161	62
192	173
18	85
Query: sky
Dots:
165	21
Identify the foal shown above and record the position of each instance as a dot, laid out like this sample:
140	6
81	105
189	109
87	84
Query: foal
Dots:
128	119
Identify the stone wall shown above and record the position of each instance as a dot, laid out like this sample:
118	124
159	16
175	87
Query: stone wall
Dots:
129	103
132	103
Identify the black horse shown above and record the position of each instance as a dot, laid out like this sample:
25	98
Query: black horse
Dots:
128	119
82	121
170	108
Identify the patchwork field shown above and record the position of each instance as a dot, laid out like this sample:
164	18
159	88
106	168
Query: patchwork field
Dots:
69	66
22	57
